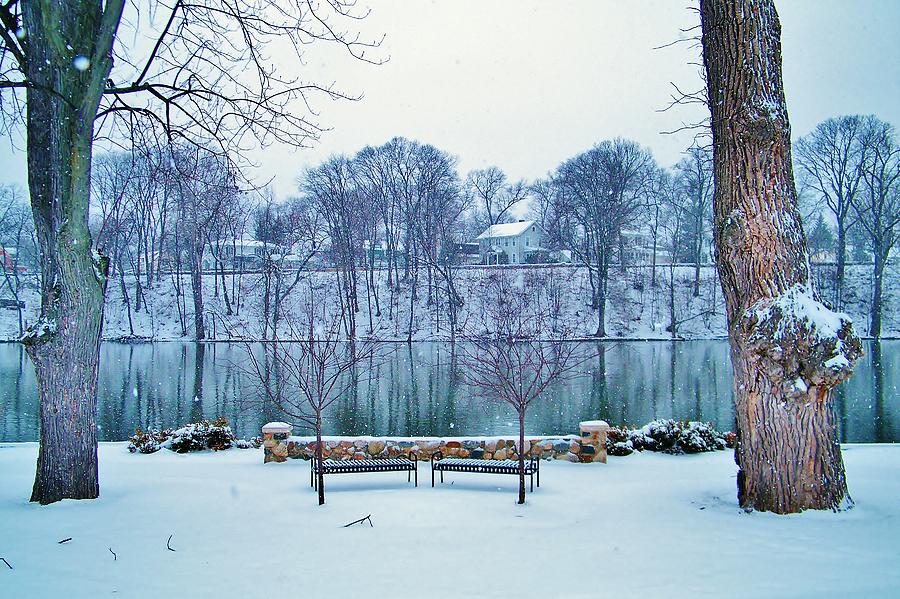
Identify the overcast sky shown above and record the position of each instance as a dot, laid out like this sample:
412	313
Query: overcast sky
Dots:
526	84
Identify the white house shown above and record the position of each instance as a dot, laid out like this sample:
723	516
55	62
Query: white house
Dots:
509	243
242	254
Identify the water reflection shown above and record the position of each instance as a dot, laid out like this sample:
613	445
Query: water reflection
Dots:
416	390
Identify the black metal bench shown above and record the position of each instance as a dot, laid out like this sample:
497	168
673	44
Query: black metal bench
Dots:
441	464
401	464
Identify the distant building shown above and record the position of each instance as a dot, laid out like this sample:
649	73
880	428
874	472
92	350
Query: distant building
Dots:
8	256
509	243
242	254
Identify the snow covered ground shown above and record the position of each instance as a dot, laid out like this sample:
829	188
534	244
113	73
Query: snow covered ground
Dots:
645	525
635	310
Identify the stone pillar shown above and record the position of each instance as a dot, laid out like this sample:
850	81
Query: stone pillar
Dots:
275	441
593	441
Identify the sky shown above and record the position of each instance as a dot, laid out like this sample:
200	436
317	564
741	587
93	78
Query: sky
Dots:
525	84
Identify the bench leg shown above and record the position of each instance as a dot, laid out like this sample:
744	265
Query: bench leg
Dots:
409	476
417	475
442	477
532	482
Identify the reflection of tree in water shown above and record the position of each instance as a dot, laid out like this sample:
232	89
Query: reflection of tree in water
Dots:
418	391
881	423
197	396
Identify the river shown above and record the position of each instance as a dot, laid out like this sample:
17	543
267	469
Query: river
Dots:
416	390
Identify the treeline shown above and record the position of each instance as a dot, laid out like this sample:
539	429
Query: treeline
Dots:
160	211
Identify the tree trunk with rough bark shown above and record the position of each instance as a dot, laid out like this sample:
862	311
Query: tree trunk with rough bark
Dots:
67	61
787	349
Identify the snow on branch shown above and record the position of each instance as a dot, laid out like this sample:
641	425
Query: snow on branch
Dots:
801	341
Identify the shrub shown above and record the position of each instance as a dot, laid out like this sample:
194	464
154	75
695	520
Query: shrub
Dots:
668	436
147	442
197	436
618	443
215	435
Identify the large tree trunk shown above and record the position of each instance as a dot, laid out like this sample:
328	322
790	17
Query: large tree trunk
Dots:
64	343
787	349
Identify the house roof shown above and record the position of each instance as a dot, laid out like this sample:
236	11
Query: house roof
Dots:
506	229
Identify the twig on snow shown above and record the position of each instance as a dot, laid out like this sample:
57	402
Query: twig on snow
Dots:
64	541
115	557
361	520
169	547
6	562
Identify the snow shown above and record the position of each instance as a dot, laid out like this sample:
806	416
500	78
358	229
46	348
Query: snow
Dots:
506	229
81	63
648	524
799	306
276	427
635	310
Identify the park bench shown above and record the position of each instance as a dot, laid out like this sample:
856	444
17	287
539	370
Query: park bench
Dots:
441	464
399	464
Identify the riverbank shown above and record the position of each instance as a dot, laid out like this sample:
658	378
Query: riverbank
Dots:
649	523
637	309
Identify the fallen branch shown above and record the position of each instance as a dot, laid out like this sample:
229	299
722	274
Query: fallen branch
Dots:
169	547
64	541
361	520
115	557
6	562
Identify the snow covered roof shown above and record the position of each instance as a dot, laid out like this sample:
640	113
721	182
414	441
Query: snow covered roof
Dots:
506	229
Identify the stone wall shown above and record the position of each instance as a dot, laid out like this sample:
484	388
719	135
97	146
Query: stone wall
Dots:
279	446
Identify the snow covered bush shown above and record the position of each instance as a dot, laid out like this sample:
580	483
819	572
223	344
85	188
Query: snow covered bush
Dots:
147	442
252	443
197	436
618	443
668	436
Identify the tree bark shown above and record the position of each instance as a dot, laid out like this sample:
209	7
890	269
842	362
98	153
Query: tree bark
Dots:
64	343
521	456
787	450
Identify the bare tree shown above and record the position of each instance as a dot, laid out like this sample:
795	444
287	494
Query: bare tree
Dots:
314	369
877	205
788	350
519	356
492	196
599	192
332	188
831	160
206	79
695	178
18	244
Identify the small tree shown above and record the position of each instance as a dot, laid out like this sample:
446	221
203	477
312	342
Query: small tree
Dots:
517	355
304	376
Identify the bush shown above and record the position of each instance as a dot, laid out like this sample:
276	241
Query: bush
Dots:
668	436
618	443
202	435
198	436
147	442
